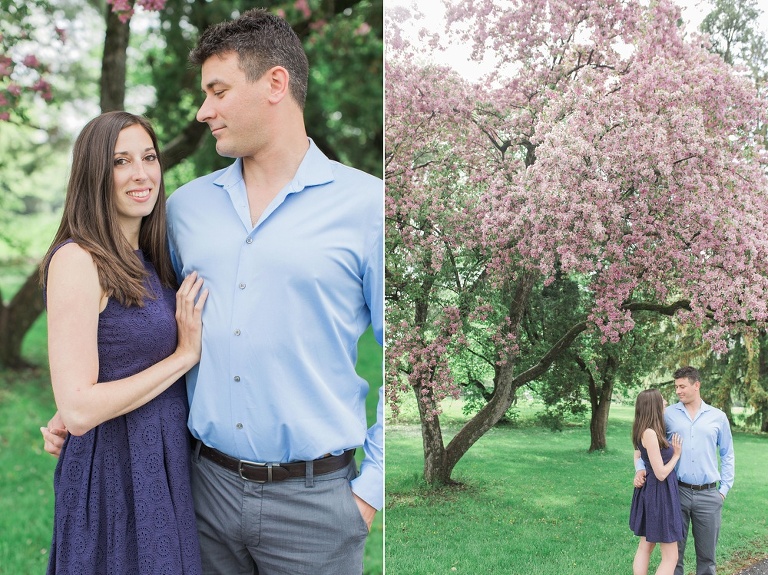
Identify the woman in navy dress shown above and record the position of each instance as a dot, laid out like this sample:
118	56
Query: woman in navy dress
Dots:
119	343
655	515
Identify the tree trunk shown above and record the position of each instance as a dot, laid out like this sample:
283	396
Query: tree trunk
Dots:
507	385
485	419
431	434
503	398
113	63
15	320
435	469
600	399
598	425
503	394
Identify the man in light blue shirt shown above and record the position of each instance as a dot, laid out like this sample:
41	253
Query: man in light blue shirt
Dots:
290	245
706	434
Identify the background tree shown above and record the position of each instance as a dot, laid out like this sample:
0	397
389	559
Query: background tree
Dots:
590	373
605	147
733	33
149	70
736	378
585	376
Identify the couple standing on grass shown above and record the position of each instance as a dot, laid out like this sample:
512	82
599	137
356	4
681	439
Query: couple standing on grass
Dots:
279	258
676	479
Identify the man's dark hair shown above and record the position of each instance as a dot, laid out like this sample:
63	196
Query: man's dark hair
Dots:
687	372
262	41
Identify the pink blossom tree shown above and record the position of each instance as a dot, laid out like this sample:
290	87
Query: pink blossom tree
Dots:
607	147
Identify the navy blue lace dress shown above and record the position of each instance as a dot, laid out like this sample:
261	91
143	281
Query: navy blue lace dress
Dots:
655	512
123	499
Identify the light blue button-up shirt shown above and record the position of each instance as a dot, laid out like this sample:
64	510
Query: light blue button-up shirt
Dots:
289	299
704	437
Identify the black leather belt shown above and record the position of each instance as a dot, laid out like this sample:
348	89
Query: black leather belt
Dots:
269	472
697	487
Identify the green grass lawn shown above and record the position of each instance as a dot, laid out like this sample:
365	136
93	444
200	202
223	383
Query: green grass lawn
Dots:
534	502
26	471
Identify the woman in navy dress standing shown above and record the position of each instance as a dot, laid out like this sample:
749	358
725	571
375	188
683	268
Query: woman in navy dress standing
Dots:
120	340
655	514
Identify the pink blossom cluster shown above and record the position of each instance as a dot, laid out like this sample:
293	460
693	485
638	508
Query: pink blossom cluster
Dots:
419	361
18	78
606	146
152	5
125	8
363	29
22	73
303	7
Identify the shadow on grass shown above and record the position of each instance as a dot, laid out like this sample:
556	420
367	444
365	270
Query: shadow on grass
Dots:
416	492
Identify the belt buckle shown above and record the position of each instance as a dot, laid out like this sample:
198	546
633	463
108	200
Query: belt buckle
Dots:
255	464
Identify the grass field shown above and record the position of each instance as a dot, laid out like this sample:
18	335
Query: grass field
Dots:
26	472
534	502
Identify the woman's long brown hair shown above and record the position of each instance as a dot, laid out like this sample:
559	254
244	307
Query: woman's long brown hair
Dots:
90	215
649	414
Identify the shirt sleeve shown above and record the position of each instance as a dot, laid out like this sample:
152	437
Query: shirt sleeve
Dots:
369	485
172	249
727	458
373	279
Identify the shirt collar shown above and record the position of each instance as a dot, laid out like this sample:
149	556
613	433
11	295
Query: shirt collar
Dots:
681	407
315	169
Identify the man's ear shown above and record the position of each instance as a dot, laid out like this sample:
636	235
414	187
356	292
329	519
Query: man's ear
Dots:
278	84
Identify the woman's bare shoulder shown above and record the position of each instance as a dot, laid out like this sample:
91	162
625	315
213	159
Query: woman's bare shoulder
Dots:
71	266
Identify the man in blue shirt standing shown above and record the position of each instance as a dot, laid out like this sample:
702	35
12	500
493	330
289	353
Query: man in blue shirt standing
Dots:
706	434
290	245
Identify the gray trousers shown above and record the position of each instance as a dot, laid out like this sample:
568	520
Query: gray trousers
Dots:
702	511
291	527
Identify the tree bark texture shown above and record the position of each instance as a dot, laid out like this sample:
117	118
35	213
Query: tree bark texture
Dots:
600	395
113	63
436	471
15	320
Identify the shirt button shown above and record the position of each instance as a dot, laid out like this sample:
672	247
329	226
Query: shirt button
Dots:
241	286
237	332
237	378
249	241
239	425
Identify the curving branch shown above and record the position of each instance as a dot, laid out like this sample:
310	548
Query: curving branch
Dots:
663	309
